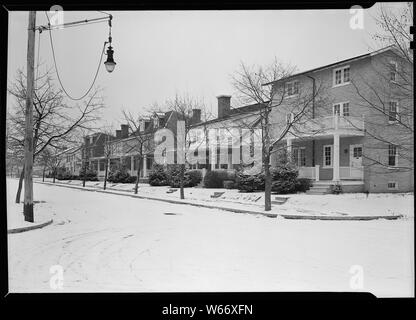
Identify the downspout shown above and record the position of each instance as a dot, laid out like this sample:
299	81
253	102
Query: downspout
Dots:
313	116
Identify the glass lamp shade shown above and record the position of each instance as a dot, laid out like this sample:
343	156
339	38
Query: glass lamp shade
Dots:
110	65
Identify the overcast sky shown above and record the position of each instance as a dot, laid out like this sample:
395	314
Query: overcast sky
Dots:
160	53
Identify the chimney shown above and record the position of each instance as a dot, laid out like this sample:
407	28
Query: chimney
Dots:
196	116
224	105
118	134
124	130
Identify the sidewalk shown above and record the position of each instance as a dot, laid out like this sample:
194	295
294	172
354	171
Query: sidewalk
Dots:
298	206
16	222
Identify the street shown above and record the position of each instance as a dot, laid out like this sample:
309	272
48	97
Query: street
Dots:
118	243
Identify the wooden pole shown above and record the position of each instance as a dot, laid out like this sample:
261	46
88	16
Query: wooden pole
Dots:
28	178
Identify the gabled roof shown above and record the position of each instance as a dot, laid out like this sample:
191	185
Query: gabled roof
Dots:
391	47
234	112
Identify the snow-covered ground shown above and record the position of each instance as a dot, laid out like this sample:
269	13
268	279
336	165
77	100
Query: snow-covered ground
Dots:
116	243
349	204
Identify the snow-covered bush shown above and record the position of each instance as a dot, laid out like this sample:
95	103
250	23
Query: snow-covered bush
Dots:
158	176
195	176
90	175
216	178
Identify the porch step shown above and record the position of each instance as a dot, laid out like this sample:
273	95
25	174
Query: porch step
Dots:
319	189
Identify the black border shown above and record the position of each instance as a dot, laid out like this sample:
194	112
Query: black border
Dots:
264	304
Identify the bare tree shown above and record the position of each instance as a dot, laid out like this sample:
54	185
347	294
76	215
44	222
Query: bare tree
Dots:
45	161
184	107
54	121
110	149
142	144
261	85
385	93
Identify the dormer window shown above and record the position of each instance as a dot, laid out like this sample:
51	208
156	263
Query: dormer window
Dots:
146	124
292	88
155	122
341	76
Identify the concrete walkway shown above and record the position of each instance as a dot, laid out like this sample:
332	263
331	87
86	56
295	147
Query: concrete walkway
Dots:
237	208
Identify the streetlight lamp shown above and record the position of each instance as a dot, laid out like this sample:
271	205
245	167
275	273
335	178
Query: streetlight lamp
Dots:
110	64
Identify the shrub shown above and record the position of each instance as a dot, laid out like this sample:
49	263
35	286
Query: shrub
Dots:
216	178
250	183
64	176
303	184
195	176
158	176
90	175
174	177
283	187
229	184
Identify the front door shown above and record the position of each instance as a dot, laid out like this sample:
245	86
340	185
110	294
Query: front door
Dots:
356	161
356	155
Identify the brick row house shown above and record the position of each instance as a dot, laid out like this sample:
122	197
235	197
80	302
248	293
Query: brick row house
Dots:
359	130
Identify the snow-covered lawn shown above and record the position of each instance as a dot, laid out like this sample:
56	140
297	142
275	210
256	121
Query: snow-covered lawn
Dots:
349	204
116	243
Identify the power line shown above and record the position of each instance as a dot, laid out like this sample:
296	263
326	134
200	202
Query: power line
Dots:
57	71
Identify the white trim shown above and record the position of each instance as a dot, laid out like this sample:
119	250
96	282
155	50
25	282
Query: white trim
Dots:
323	155
334	84
352	146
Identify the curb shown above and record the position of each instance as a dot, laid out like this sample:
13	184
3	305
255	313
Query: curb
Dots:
28	228
235	210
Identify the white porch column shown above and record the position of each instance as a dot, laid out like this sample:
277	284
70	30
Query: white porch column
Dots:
336	158
289	149
317	172
144	166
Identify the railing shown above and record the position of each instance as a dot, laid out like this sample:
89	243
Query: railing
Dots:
351	173
307	172
322	125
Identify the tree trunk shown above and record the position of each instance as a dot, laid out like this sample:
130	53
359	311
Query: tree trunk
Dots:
19	188
105	175
136	186
84	172
267	184
181	177
54	174
43	174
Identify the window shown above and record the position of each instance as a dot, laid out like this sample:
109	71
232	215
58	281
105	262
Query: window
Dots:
327	157
346	109
341	108
342	76
358	152
393	111
289	117
292	88
393	155
392	185
302	157
393	70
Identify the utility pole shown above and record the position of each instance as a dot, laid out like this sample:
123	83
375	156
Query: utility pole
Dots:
28	178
